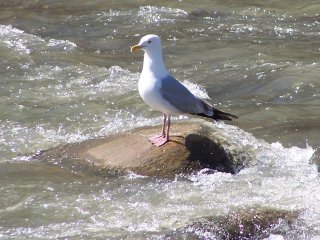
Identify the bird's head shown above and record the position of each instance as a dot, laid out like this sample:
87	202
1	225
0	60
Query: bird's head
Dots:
149	43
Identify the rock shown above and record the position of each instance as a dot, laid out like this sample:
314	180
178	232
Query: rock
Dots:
200	13
255	223
316	159
194	145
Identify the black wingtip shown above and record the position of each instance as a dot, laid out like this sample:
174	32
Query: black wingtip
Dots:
218	115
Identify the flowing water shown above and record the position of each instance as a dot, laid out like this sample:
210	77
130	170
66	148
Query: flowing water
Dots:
66	75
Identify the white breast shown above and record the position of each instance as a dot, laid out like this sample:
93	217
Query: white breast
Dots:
150	81
149	90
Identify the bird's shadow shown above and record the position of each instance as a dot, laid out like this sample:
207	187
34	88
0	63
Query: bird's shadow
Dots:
208	154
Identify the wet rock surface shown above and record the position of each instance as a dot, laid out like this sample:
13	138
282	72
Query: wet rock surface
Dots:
256	223
194	145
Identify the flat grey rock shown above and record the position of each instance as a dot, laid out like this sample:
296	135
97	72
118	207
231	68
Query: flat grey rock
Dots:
194	145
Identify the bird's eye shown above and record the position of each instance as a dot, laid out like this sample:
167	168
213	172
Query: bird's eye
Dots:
149	41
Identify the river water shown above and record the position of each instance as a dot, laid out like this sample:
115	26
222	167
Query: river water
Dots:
66	75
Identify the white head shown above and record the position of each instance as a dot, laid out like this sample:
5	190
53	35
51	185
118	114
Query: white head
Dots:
149	44
152	61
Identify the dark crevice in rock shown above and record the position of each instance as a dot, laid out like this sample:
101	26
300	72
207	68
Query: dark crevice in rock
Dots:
208	154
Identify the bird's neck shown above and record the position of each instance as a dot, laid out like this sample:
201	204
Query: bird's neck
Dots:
154	63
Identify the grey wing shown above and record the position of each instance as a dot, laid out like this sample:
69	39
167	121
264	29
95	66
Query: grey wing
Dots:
180	97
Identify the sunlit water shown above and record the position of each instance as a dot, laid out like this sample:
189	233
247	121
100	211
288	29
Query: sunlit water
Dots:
67	75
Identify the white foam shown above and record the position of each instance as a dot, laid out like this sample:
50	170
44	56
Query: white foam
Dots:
62	44
9	30
157	15
196	89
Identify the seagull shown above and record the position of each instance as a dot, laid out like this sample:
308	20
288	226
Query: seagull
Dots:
164	93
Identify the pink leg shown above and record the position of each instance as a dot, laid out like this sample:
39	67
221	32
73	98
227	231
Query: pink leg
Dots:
161	135
165	138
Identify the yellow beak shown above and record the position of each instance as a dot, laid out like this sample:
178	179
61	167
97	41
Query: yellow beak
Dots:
135	48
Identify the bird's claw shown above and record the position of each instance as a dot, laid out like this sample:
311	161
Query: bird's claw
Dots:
159	140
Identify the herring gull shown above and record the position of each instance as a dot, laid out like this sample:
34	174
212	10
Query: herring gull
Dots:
164	93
